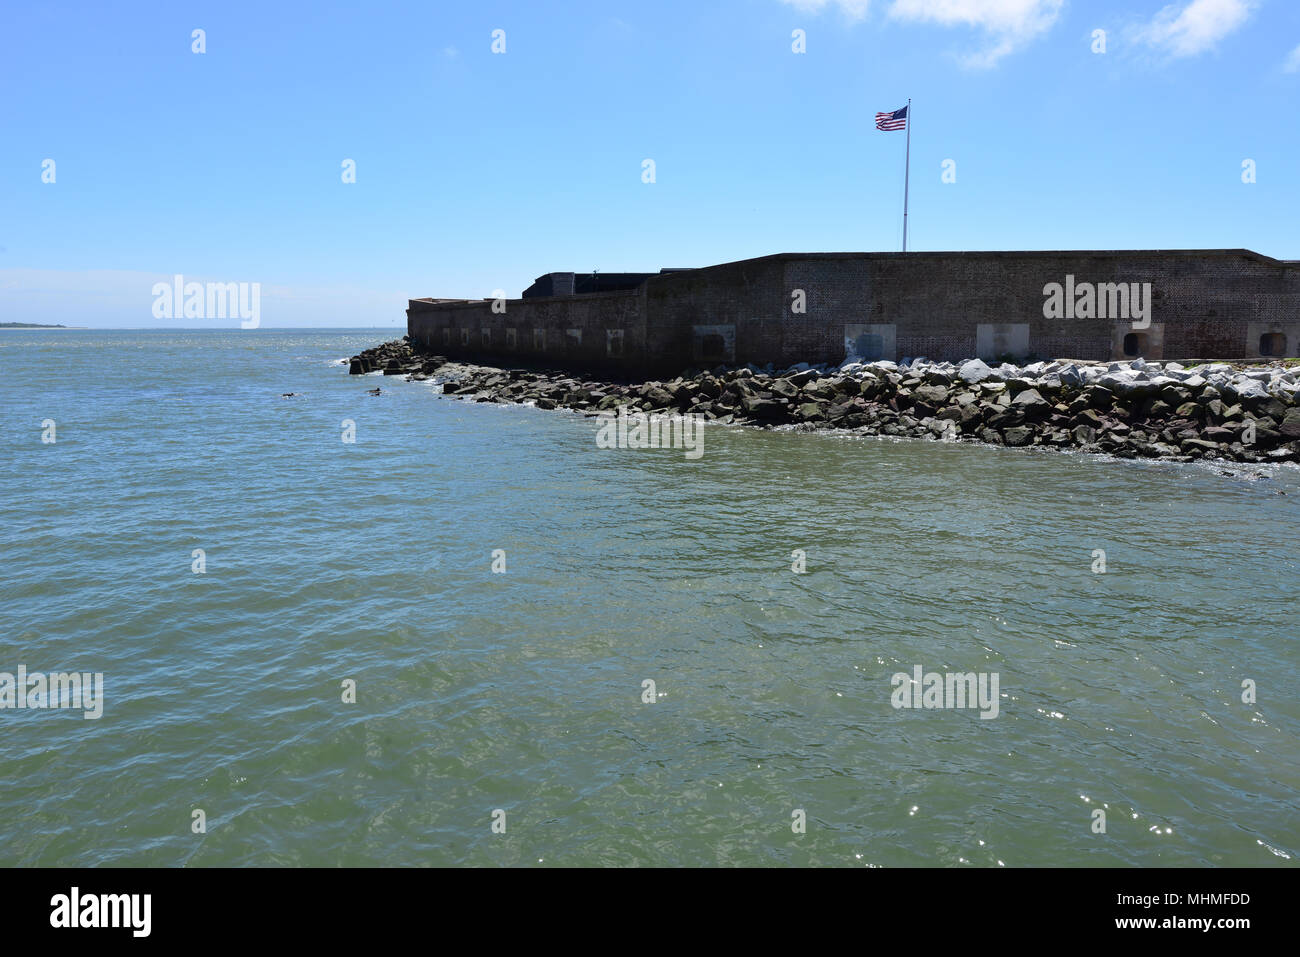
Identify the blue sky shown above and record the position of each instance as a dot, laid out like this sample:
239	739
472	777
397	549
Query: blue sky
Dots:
478	171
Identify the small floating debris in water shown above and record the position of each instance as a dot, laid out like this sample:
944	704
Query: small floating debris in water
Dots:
289	395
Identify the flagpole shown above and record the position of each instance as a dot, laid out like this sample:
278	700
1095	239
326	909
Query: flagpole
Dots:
907	170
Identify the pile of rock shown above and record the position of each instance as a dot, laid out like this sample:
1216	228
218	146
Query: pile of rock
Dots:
1126	409
393	358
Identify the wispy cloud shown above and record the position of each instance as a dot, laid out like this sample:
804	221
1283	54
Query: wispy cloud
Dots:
1007	24
1188	29
852	9
1292	64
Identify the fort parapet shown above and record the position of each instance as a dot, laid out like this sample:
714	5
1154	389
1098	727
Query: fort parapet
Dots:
1218	303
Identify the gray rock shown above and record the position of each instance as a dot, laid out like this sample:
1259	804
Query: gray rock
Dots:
1249	389
763	407
1070	376
1030	398
657	396
974	371
1006	419
1290	426
931	394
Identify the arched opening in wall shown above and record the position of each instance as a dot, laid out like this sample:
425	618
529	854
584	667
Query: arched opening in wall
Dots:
870	347
713	346
1272	344
1135	343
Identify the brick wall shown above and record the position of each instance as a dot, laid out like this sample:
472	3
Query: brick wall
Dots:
1205	304
602	332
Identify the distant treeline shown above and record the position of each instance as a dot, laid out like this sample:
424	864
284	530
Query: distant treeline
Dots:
30	325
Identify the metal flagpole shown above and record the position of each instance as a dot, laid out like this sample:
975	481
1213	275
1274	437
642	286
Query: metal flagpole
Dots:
907	170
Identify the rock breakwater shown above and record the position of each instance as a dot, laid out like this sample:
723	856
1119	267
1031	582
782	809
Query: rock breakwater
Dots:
1128	409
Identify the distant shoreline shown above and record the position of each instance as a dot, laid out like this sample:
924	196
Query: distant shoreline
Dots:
35	325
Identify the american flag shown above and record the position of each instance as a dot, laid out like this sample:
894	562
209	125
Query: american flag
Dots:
892	121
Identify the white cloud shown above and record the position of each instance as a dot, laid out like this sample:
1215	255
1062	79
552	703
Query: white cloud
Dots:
1292	64
852	9
1008	24
1192	28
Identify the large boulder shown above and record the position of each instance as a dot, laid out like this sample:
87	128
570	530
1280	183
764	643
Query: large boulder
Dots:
1084	434
1006	419
842	410
846	386
709	387
971	416
974	371
934	395
1248	389
657	396
923	410
763	407
1099	397
1128	383
1290	426
1033	405
1272	407
1070	376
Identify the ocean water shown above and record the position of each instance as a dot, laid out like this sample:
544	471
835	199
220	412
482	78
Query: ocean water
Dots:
518	696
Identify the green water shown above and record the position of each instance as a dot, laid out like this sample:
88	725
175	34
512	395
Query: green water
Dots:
522	691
